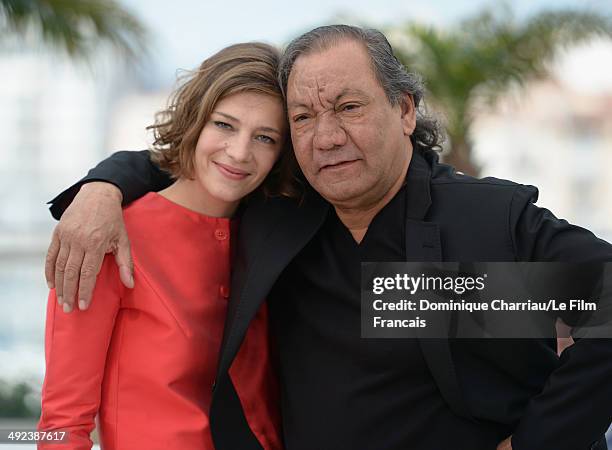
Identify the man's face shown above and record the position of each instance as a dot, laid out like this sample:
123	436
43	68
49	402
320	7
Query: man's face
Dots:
350	142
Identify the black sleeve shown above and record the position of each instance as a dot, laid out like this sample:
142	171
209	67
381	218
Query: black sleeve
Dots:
132	172
574	409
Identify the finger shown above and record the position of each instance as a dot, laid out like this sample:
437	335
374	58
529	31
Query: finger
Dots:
123	257
92	262
506	444
72	273
60	266
50	259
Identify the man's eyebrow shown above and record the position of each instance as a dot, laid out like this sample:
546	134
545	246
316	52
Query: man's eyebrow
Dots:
344	92
349	91
297	105
228	116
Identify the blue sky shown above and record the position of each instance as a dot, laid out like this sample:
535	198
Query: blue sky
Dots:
186	32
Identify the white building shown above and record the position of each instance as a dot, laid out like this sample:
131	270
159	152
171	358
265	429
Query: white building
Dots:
559	140
54	123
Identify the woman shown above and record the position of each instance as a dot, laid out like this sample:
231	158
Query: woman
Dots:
144	359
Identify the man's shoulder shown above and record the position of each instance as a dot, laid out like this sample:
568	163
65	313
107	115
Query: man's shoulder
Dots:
456	186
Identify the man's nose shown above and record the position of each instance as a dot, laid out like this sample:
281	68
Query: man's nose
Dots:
239	148
328	133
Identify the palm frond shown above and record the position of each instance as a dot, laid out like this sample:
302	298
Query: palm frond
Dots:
77	26
481	58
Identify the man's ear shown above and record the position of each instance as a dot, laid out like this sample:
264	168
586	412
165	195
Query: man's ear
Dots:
408	111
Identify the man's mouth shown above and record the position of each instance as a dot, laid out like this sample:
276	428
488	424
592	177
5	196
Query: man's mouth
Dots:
337	165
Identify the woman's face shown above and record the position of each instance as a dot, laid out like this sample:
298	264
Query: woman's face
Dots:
238	146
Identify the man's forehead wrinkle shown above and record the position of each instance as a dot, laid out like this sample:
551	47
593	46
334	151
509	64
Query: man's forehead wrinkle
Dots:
313	91
320	90
320	85
315	88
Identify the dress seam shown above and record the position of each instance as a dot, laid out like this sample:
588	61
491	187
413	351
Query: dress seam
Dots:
144	277
119	351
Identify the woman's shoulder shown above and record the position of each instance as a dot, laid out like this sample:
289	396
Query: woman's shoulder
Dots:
155	222
147	202
148	212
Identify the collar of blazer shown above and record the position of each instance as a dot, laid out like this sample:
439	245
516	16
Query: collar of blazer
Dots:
273	232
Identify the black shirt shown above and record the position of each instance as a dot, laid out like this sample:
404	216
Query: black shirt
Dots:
340	391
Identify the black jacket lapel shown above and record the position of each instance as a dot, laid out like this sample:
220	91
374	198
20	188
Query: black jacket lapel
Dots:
423	244
274	233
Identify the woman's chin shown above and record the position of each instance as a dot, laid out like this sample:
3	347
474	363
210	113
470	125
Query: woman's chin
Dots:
229	196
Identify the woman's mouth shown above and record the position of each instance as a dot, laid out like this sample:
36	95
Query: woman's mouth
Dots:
231	172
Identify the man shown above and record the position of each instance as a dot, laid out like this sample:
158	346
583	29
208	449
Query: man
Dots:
379	195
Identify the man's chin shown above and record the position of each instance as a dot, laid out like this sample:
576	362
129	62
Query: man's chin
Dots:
343	194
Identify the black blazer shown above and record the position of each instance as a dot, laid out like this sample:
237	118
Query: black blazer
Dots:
450	217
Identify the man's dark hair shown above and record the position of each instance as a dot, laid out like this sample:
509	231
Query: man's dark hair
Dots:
392	75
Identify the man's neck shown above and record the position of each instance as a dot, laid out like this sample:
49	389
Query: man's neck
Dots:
357	220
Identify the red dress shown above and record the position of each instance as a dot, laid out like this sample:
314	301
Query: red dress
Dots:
144	359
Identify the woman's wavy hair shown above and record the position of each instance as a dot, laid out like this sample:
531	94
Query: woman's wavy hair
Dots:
246	67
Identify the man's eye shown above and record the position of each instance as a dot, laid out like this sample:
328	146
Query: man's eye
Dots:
223	125
265	139
349	107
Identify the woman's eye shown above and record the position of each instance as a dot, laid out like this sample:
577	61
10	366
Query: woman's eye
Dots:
300	118
265	139
223	125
